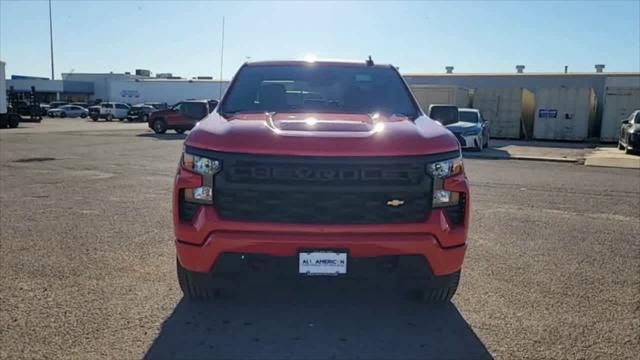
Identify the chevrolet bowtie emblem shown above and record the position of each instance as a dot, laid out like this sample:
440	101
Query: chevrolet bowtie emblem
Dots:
395	202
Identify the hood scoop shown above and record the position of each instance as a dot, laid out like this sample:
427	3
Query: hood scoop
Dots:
311	126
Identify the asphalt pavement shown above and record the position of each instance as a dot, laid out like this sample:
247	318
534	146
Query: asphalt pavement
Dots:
87	266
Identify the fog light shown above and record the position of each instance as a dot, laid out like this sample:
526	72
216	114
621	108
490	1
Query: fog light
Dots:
445	198
202	194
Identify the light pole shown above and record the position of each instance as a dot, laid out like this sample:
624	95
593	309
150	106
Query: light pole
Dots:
221	58
51	39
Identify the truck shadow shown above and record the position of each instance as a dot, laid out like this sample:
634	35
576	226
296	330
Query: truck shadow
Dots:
316	319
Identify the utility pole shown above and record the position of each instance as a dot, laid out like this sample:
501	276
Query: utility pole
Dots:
221	57
51	39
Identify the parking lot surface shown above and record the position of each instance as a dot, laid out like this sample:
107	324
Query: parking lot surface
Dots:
88	265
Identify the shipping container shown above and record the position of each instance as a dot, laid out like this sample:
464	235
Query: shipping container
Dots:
621	98
508	110
437	94
565	114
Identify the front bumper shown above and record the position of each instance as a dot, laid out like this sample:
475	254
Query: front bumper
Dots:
203	239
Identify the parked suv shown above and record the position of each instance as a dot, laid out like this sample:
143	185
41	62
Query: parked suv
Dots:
110	111
181	116
140	112
320	169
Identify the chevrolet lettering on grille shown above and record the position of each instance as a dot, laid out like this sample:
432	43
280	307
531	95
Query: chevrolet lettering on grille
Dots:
262	172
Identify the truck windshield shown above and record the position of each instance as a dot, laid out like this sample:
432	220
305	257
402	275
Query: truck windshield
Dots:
319	88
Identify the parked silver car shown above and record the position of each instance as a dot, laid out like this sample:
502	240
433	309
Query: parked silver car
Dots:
68	111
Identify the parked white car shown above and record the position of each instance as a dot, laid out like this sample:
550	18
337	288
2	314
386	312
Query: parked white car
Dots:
68	111
112	110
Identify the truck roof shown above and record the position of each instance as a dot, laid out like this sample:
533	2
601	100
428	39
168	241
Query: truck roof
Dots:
356	63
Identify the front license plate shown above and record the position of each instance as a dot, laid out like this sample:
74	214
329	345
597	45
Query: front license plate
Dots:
322	263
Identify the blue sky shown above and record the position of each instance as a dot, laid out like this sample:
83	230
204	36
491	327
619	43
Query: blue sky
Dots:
183	37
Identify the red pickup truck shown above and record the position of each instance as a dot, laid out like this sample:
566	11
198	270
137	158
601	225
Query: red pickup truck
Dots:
320	169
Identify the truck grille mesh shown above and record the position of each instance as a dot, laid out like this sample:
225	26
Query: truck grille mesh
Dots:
312	190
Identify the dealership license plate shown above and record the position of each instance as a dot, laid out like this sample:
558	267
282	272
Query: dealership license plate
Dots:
322	263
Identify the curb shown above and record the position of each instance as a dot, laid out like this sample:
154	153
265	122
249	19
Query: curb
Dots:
523	157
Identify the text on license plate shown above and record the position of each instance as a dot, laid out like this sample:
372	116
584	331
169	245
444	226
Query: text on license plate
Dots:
322	263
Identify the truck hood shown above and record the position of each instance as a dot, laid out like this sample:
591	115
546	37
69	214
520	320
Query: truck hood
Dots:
334	134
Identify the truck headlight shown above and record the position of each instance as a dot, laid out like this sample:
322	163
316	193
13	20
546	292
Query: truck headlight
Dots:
446	168
200	165
439	171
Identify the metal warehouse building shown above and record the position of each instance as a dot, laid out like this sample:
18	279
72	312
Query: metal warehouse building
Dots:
49	90
531	81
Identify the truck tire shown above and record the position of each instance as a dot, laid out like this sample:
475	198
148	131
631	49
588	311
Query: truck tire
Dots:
14	121
110	117
95	118
439	288
196	286
159	127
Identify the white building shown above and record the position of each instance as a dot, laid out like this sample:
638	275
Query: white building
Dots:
169	91
135	89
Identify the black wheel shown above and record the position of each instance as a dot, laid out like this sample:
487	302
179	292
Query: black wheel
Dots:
628	151
110	117
83	115
197	286
159	127
180	131
439	288
94	118
63	114
14	121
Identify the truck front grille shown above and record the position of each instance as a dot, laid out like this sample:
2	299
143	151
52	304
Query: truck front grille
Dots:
322	190
321	207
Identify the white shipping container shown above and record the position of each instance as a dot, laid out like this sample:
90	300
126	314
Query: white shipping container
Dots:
508	110
168	91
440	94
621	98
3	89
564	113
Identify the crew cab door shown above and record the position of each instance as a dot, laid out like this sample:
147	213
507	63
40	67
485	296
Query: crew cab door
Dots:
106	109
